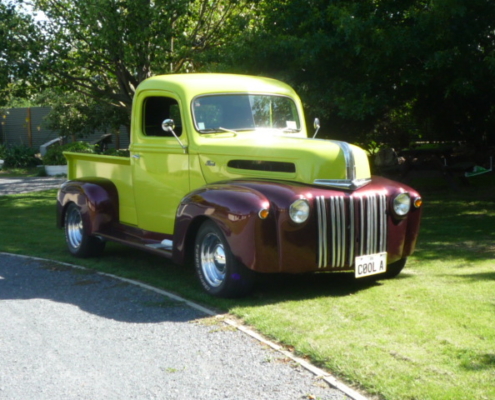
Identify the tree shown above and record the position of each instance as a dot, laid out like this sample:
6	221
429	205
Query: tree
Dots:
16	48
102	49
75	115
401	66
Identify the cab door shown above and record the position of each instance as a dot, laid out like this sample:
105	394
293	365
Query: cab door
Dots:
160	164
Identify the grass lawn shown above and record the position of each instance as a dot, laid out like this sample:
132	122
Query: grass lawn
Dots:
428	334
20	172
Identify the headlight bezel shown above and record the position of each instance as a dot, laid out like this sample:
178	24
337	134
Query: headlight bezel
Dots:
299	211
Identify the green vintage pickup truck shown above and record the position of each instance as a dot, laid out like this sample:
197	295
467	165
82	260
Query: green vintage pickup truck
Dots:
222	173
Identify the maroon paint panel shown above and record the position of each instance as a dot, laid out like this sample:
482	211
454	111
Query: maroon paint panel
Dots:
98	200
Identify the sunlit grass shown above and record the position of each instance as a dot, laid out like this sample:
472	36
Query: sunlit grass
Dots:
429	334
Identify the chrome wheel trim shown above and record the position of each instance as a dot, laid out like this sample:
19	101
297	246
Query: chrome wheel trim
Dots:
74	227
213	260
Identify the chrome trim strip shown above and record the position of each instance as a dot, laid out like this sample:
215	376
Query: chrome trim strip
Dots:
351	229
349	159
374	223
368	226
343	231
350	182
346	184
361	231
383	225
333	221
325	234
339	219
322	231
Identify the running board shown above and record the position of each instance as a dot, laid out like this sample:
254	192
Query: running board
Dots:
135	238
163	245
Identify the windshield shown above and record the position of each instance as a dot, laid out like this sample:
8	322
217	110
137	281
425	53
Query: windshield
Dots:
240	112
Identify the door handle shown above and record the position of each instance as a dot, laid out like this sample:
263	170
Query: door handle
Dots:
136	156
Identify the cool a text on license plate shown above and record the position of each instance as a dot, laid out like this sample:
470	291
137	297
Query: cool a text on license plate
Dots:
370	264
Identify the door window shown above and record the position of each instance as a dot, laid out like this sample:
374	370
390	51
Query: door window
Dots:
156	110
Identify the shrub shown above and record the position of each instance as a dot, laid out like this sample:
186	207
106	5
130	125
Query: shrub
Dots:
117	153
55	156
19	156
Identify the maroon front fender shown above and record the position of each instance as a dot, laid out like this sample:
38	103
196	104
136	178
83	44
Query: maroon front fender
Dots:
235	210
97	198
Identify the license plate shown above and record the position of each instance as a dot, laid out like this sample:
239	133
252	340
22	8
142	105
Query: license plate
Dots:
370	264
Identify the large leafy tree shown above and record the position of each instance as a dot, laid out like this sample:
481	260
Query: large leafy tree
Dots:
400	66
102	49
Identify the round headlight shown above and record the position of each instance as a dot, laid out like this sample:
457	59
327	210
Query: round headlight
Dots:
299	211
402	204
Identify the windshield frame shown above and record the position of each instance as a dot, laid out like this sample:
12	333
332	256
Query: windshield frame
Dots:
221	129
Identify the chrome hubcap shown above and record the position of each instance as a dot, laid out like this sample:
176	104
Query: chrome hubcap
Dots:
74	228
213	262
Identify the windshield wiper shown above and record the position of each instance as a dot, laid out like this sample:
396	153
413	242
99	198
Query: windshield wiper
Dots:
226	130
219	129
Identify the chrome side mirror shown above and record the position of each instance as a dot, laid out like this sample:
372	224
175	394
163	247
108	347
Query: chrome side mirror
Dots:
316	125
168	125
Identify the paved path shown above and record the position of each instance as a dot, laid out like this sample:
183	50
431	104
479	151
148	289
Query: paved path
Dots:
68	333
25	185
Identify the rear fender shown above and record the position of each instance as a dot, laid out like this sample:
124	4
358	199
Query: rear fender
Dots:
98	199
235	210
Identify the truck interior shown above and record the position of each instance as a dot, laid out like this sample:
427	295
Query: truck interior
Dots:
155	111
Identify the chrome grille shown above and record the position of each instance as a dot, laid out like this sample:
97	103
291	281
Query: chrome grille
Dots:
350	226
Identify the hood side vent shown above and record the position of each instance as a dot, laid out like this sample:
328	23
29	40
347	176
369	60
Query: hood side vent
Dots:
268	166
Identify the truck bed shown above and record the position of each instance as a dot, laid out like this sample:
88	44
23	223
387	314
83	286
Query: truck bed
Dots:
116	169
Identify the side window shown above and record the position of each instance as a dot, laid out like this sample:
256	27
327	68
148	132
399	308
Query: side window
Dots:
158	109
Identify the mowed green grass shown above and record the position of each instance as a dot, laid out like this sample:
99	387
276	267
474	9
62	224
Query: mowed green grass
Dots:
428	334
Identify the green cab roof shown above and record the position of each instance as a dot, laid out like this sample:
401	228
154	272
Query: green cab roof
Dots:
196	84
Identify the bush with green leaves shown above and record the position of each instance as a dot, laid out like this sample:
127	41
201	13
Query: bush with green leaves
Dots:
19	156
116	153
55	156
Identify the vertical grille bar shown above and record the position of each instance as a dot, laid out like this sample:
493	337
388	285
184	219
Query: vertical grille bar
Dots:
383	214
343	231
334	218
351	229
322	232
358	226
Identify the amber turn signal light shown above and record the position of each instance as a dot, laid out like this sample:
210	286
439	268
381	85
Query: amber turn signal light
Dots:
418	201
263	213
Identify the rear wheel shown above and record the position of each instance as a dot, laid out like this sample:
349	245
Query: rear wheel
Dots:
218	271
79	243
395	268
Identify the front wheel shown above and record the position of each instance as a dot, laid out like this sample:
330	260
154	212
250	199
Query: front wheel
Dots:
79	243
395	268
218	271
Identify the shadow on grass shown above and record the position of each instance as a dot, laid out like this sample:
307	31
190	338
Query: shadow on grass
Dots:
484	276
276	288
